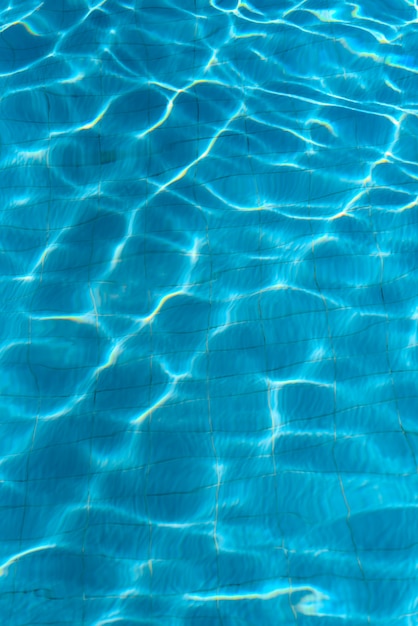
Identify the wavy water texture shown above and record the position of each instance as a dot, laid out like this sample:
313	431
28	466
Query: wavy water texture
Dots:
209	312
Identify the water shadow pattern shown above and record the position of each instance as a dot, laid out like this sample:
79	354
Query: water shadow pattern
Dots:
208	276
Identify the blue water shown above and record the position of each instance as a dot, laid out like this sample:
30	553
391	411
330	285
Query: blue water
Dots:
209	305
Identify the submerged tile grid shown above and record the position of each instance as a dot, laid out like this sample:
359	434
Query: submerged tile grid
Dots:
208	277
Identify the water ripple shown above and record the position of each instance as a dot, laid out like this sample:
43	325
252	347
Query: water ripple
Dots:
208	346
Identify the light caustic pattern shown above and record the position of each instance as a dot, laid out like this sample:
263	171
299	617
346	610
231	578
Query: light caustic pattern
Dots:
208	356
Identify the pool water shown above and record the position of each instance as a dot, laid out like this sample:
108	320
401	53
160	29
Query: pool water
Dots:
209	307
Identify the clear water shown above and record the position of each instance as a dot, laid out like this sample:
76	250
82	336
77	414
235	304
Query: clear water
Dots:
208	312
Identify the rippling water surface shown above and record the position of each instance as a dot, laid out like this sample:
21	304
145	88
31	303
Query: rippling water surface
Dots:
208	355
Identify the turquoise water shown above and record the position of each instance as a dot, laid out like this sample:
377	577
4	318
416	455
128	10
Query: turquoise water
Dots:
209	306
